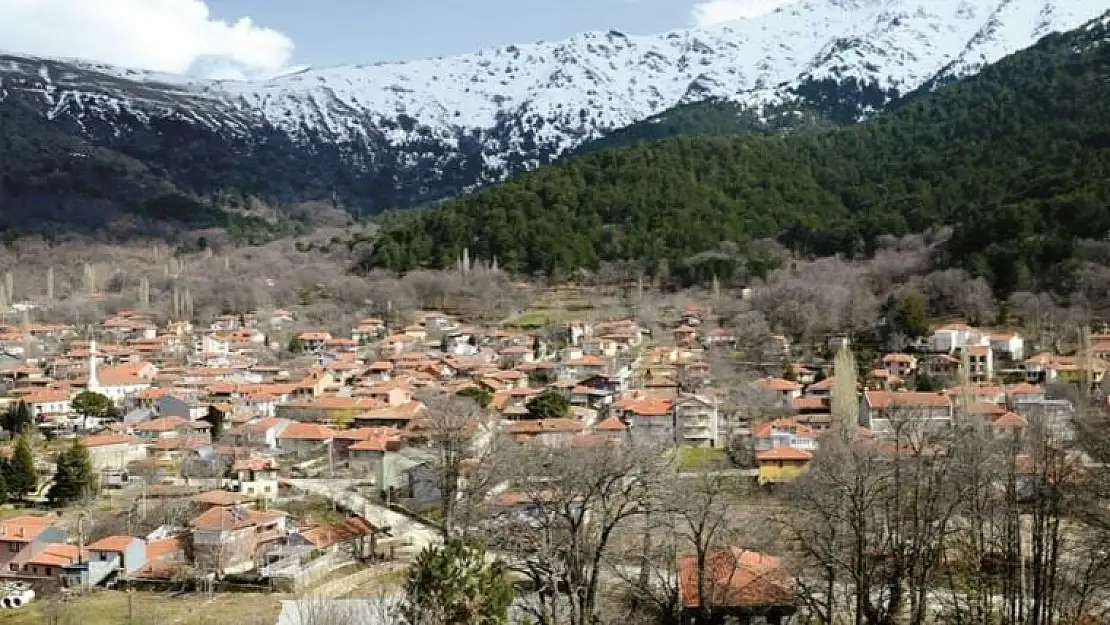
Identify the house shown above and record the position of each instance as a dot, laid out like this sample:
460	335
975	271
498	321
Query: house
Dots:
1009	424
697	421
23	537
314	342
220	499
1008	346
353	535
745	587
114	451
164	427
652	418
410	476
395	416
262	433
1024	393
783	433
391	393
303	438
901	365
879	410
230	540
944	366
331	409
953	337
787	389
51	560
782	464
813	411
552	432
126	553
256	477
171	453
612	427
48	404
369	453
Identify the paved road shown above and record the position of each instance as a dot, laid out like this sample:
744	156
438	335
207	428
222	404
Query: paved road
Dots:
413	532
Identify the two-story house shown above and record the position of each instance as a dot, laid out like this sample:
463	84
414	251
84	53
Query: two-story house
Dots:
114	451
783	433
901	365
23	537
262	433
230	540
256	477
882	411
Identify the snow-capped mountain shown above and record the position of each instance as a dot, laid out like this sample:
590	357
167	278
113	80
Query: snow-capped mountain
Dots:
415	131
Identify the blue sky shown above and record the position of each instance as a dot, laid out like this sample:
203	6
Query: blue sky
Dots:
241	39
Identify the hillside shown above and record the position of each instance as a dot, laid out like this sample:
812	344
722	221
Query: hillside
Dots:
392	135
1016	158
54	183
711	118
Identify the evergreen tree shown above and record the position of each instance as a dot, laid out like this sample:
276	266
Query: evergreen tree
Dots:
453	584
16	417
480	395
91	404
215	417
22	478
296	346
548	405
75	478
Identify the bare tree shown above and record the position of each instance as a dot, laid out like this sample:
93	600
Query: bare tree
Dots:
580	496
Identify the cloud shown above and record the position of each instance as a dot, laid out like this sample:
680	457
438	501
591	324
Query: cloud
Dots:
716	11
178	36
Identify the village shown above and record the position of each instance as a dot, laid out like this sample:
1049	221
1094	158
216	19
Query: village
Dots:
217	469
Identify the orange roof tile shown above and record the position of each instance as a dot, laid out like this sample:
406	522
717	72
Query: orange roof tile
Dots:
783	453
25	527
307	432
164	424
112	543
738	578
881	400
543	426
612	424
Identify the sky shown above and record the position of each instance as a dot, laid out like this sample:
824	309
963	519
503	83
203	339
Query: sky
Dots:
237	39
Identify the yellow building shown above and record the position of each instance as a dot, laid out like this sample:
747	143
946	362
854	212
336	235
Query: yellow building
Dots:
782	464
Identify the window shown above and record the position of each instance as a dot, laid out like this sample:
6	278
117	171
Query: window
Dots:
13	566
49	571
13	547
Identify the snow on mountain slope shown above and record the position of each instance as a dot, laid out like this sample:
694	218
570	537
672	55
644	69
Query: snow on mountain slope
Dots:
499	111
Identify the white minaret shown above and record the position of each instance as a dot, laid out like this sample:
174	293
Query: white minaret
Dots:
93	383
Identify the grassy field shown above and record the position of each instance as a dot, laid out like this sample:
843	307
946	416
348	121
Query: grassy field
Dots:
691	458
111	608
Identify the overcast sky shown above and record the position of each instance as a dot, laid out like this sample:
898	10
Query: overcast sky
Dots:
255	38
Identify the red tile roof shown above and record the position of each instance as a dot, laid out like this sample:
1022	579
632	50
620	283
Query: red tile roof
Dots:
348	529
783	453
307	432
740	578
112	543
235	517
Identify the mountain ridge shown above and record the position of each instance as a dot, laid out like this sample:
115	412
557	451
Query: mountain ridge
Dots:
1014	159
374	137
